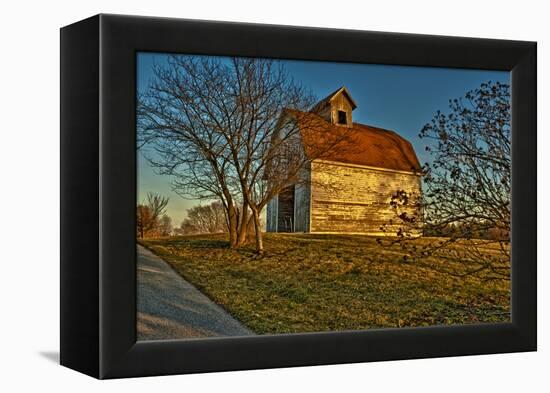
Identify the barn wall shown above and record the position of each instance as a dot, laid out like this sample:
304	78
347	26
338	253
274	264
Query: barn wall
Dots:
302	194
271	215
355	199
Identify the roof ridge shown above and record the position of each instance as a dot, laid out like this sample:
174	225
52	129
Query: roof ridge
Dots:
375	127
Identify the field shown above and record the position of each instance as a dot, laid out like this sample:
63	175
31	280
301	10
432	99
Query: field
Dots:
311	283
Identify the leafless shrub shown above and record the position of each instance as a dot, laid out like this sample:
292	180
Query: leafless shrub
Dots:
466	198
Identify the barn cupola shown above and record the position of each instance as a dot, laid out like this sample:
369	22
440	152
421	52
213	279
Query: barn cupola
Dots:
337	108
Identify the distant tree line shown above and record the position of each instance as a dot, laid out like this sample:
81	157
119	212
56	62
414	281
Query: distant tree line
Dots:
472	230
205	219
152	220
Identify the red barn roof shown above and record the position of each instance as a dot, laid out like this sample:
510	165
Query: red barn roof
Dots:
359	144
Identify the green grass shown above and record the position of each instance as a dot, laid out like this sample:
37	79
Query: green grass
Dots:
311	283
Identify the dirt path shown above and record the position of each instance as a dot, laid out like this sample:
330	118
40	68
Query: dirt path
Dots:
168	307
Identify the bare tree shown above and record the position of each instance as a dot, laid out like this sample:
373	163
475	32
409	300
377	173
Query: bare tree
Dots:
148	213
216	128
466	201
144	220
206	219
188	228
165	225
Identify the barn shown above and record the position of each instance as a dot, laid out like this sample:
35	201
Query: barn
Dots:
344	190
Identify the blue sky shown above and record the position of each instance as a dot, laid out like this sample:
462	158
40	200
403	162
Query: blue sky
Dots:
398	98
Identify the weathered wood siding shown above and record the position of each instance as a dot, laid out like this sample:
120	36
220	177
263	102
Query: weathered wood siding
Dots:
271	215
353	199
302	196
285	219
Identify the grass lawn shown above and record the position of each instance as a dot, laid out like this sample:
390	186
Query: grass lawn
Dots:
311	283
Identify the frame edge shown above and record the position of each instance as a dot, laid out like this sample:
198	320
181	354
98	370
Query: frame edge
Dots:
79	147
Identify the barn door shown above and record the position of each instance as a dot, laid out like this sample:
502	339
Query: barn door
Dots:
285	222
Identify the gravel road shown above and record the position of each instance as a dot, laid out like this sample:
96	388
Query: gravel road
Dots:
168	307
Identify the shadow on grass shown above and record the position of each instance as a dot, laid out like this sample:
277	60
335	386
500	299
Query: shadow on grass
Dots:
190	240
209	243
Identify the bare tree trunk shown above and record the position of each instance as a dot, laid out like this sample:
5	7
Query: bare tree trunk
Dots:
232	218
258	230
242	235
251	233
233	226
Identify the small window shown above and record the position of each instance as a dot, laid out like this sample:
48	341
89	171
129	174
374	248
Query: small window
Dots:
342	117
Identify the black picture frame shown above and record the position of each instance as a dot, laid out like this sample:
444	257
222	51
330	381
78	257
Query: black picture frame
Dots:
98	195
